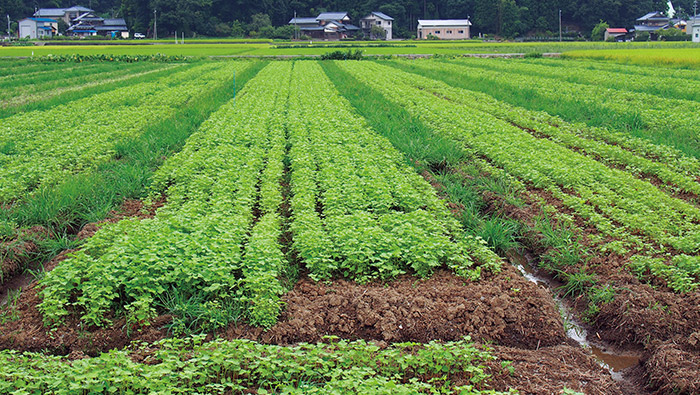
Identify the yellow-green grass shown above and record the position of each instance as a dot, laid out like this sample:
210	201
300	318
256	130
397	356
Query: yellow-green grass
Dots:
677	57
318	48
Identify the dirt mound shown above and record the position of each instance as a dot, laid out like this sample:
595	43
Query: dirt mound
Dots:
674	370
549	370
505	309
15	254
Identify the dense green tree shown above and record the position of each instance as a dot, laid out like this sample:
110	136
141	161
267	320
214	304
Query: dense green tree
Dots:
598	33
235	17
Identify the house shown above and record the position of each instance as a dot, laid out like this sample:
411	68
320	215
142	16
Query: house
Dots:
377	19
37	28
620	34
67	14
326	26
88	24
446	29
652	23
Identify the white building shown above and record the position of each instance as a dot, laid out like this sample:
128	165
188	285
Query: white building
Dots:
695	32
377	19
34	28
445	29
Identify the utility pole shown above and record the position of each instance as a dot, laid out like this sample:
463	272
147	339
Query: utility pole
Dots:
155	25
559	25
296	35
8	26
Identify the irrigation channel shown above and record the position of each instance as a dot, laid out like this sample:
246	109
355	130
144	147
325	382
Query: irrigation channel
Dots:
613	361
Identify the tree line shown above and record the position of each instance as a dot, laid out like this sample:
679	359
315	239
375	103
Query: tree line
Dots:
508	18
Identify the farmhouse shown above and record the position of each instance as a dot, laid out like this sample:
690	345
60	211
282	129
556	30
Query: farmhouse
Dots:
380	19
67	14
652	23
326	26
83	22
37	27
618	33
446	29
90	25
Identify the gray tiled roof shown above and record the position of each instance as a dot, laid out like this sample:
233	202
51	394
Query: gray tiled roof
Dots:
44	12
303	21
331	16
382	15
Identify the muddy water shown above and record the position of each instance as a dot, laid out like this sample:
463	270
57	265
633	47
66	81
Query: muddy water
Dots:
614	362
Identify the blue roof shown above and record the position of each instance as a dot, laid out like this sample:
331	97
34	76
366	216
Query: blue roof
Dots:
43	20
44	28
382	15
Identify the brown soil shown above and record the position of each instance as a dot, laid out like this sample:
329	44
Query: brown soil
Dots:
505	309
550	370
640	316
16	254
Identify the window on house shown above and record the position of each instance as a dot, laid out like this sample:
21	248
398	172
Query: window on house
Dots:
460	31
379	22
388	23
449	32
437	32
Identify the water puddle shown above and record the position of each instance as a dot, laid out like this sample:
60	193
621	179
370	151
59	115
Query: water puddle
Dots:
614	362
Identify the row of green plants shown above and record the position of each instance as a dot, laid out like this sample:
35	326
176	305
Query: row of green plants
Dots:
613	201
607	194
682	274
470	183
625	69
658	83
358	210
463	179
212	254
673	168
192	366
60	96
78	58
77	136
45	85
662	121
203	256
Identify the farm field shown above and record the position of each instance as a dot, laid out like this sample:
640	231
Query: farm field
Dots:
685	52
388	226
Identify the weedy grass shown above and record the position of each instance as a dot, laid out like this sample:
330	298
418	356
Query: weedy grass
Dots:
570	110
675	57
